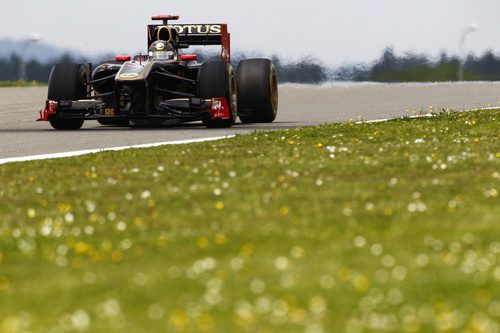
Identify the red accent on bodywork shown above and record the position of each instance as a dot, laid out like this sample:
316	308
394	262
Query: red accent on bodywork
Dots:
50	108
122	58
164	17
220	109
189	57
226	44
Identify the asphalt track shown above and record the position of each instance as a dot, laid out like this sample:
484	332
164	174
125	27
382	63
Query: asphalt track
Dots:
300	106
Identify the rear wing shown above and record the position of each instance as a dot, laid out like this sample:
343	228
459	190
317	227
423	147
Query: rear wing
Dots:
185	35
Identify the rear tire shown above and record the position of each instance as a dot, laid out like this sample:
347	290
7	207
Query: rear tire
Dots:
215	80
257	91
67	82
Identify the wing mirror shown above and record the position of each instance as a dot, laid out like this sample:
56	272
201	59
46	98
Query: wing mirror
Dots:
122	58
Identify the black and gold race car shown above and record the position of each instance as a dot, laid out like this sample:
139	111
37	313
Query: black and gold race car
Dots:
164	86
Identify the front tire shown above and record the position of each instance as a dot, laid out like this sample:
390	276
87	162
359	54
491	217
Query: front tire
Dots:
67	82
215	80
257	91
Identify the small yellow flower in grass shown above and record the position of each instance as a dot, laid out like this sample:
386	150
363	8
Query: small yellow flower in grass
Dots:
361	283
291	142
179	320
388	211
139	222
63	208
319	145
31	213
220	239
219	205
344	274
248	249
284	210
492	193
282	263
317	305
82	247
297	252
202	243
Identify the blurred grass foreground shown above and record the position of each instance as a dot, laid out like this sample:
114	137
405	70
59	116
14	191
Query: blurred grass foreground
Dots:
355	227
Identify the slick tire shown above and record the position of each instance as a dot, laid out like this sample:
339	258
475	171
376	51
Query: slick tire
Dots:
216	79
67	82
257	91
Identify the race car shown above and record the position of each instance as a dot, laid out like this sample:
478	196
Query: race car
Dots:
164	86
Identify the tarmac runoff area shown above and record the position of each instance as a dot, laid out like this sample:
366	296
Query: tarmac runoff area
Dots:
21	137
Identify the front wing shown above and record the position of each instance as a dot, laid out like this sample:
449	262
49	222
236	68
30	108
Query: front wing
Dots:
183	110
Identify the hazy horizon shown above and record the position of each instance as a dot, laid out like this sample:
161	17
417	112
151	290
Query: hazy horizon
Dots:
335	32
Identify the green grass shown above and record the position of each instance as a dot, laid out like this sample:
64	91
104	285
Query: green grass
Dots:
6	84
338	228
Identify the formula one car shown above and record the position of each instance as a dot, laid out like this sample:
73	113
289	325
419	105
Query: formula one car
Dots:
164	87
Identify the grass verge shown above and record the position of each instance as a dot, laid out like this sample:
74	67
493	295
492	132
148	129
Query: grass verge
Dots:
338	228
7	84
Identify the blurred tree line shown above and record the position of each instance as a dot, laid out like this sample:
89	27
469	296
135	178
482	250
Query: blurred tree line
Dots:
35	70
389	67
303	71
420	68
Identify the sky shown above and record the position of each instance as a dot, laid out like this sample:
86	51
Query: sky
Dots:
334	31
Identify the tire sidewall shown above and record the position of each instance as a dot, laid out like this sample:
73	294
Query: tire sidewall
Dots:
216	79
257	91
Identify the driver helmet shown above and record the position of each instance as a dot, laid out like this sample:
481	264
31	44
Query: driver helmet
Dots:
161	50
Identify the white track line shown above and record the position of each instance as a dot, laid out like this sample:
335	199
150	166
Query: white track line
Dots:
94	151
388	119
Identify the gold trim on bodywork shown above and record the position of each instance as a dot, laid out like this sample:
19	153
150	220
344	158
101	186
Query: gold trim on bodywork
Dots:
141	76
169	33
